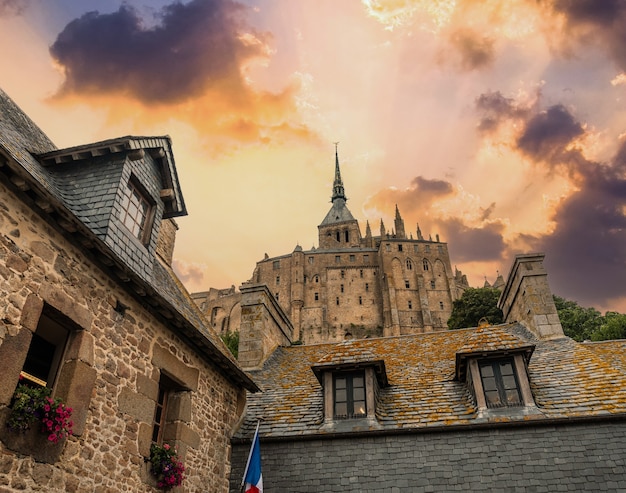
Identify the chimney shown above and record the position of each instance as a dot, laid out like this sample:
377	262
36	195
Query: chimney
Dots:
264	326
166	240
527	297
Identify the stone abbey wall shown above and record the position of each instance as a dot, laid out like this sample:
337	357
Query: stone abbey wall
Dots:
116	352
583	457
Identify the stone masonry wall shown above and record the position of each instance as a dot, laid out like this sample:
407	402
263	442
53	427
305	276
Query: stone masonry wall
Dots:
125	353
584	457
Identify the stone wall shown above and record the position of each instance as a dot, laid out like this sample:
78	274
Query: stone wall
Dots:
116	354
583	457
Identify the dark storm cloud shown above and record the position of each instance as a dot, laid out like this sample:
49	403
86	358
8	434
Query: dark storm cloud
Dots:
547	134
475	51
602	21
431	187
494	108
474	244
586	253
195	46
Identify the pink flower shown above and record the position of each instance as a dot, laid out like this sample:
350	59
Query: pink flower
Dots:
166	446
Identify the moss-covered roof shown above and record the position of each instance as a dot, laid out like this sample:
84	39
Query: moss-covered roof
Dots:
567	379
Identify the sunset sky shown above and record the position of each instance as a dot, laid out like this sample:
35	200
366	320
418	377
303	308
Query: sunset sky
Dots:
499	125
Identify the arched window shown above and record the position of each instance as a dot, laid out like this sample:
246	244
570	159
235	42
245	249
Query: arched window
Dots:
338	236
347	234
425	264
409	264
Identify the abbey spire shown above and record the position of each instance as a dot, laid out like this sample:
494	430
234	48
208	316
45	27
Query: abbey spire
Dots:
339	229
338	190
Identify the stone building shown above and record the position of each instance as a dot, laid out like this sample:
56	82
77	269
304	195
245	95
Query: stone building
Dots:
355	286
92	309
512	407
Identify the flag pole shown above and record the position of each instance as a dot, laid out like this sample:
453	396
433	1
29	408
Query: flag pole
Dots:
256	432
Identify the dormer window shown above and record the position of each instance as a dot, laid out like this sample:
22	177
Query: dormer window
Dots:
136	212
350	382
493	364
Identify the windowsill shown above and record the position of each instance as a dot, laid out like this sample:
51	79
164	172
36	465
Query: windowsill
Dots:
509	413
332	425
32	443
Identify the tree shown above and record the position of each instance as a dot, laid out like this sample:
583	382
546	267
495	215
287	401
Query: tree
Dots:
613	327
578	323
474	304
231	339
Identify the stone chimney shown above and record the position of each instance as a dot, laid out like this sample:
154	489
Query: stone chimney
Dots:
166	240
527	298
264	326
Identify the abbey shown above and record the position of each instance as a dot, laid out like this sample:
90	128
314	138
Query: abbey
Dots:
353	286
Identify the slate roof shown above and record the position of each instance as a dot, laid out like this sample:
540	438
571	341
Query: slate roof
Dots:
73	183
568	380
338	213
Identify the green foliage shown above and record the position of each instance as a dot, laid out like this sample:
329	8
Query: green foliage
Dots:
578	323
166	466
231	339
613	327
474	304
27	406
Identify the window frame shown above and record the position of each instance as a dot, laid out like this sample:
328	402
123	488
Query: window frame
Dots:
521	374
134	188
350	400
500	386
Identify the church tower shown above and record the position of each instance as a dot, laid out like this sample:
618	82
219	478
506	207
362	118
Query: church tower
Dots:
339	229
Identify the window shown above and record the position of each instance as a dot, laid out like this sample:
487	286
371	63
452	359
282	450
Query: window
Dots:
432	285
407	284
343	273
310	260
341	287
440	248
317	296
367	287
276	264
500	383
338	236
136	212
388	247
277	279
425	264
276	296
409	264
410	305
167	387
337	259
366	258
352	258
45	352
399	247
337	300
347	235
304	279
360	272
360	300
416	248
427	248
317	278
349	395
441	305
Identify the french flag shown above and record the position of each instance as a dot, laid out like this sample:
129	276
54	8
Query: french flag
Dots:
252	477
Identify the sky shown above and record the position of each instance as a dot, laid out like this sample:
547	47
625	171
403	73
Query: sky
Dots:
499	126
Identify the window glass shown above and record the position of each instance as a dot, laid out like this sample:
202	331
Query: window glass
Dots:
500	383
135	211
349	395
